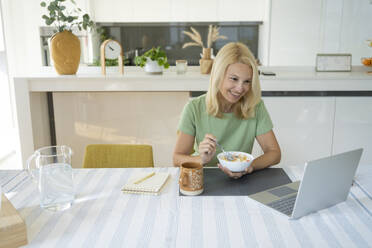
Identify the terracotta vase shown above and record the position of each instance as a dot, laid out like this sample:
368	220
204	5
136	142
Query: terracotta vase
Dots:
65	49
206	62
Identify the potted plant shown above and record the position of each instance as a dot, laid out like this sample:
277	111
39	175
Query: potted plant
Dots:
206	61
65	46
153	60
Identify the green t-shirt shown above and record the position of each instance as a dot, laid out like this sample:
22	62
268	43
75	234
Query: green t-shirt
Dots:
232	133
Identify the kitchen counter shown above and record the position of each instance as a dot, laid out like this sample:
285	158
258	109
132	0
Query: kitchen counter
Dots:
74	95
135	79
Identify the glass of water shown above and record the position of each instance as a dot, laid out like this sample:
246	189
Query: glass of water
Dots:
54	176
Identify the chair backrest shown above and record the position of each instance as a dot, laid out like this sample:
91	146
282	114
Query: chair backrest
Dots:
118	156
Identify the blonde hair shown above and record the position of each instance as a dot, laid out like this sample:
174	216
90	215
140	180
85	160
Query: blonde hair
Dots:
231	53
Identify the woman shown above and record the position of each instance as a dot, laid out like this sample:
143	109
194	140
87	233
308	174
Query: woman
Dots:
231	113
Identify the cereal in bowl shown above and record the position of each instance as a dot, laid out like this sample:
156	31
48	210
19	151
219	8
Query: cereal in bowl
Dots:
237	157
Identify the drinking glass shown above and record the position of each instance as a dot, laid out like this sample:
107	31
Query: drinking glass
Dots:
181	66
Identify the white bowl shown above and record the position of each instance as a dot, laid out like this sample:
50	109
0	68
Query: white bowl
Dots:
237	165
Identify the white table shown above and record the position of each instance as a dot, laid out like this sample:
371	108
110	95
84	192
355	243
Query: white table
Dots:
102	216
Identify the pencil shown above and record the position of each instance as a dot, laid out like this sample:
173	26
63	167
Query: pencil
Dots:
144	178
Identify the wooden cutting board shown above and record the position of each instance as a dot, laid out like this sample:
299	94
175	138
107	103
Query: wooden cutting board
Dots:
13	231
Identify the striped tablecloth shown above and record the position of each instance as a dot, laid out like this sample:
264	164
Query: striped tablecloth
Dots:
102	216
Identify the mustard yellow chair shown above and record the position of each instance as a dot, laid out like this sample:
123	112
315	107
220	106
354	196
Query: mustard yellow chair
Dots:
118	156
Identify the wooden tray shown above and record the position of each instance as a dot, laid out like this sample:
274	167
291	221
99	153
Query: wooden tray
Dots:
13	231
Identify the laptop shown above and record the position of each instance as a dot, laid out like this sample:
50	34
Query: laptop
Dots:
326	182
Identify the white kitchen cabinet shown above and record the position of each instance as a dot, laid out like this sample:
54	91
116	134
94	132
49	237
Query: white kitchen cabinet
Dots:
112	10
151	11
294	36
194	11
248	10
154	11
177	10
353	126
131	11
303	127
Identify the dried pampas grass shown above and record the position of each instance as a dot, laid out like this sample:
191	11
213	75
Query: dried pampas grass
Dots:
213	35
195	36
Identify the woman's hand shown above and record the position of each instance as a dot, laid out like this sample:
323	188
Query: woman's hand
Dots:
207	148
236	175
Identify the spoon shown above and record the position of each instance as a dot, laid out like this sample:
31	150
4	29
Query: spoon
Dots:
228	155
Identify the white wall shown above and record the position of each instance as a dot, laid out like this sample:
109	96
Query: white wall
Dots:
293	31
22	19
6	124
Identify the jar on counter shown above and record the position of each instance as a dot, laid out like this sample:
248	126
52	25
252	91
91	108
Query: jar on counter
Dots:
181	66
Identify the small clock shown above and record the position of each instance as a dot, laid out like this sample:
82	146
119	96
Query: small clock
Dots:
111	49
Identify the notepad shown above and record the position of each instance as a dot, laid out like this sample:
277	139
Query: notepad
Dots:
152	185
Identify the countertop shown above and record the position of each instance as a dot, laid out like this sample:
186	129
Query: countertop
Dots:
135	79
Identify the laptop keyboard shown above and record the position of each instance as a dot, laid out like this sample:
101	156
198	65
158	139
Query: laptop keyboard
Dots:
284	205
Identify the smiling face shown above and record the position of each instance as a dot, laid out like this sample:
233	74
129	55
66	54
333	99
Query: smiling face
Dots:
236	83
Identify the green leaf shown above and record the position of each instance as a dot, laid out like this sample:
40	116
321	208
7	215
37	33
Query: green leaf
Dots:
86	17
140	60
66	19
49	21
54	4
155	54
